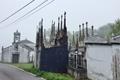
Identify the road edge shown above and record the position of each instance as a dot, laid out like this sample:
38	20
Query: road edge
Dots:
25	71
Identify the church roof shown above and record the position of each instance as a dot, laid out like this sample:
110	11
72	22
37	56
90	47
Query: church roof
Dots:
27	44
26	41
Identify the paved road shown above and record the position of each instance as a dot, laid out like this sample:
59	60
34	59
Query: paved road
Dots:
8	72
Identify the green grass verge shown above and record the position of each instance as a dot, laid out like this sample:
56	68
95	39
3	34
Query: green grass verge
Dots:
24	66
46	75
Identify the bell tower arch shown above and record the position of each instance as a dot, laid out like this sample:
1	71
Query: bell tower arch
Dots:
16	37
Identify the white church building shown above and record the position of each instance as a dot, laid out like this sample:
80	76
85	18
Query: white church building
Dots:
102	62
21	51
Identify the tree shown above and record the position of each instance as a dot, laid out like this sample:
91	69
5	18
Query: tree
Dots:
105	30
116	28
110	29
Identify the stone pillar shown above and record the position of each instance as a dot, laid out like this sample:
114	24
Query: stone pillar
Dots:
2	54
61	21
87	34
83	33
45	40
65	28
80	33
77	44
73	40
36	48
58	25
42	44
92	32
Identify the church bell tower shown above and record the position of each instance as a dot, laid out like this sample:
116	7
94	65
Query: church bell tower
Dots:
16	37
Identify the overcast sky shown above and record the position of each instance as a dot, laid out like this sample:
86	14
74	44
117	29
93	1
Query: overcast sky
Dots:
96	12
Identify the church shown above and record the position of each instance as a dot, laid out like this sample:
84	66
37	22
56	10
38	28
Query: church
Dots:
20	51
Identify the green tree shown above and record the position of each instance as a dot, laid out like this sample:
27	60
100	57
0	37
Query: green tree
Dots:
116	28
105	30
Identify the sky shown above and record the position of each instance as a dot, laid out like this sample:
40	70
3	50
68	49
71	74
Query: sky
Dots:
95	12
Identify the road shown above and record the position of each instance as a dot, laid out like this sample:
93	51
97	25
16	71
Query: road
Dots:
8	72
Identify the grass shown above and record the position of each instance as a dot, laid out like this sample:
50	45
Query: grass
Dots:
46	75
24	66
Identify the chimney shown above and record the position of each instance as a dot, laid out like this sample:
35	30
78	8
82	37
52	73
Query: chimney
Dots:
61	21
87	34
92	32
83	33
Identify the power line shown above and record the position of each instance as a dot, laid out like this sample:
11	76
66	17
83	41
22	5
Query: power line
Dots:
17	11
42	7
31	13
25	14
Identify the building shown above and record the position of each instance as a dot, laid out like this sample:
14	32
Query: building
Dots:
20	51
52	54
116	65
102	62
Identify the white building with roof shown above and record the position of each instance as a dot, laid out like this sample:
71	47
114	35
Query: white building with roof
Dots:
21	51
100	55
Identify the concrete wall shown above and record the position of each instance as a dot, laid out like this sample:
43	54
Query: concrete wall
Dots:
32	53
0	56
116	62
99	60
24	57
7	57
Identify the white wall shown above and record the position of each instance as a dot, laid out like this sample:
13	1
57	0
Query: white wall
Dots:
7	55
0	56
32	53
99	60
23	55
23	58
116	64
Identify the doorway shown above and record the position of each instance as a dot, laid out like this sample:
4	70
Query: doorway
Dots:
15	58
